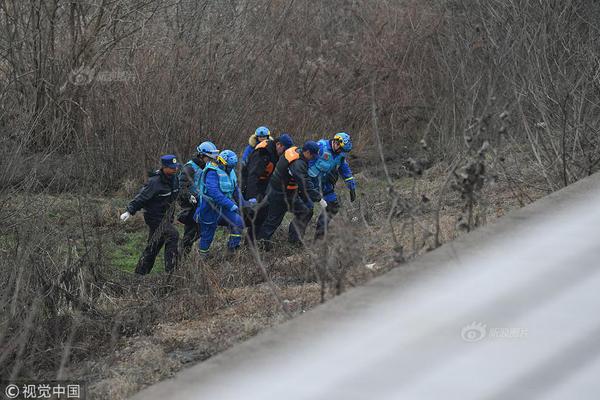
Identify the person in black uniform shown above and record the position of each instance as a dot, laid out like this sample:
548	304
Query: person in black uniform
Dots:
290	189
157	198
261	164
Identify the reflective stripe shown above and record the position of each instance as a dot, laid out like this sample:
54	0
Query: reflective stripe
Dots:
235	235
291	155
203	251
349	179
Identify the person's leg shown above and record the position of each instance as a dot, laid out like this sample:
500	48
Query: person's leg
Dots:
254	220
207	234
190	235
261	216
333	207
249	216
207	218
276	211
302	216
155	242
171	238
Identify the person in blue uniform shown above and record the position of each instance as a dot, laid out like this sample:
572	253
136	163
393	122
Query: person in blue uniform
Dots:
325	170
219	202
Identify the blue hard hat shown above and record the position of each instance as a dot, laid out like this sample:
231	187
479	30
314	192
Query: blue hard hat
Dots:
262	131
169	161
207	149
311	146
344	140
228	158
286	140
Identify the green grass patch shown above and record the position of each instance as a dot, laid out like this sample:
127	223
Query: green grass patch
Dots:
126	254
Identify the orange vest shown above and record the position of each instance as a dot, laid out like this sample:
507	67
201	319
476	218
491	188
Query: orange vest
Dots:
270	166
292	155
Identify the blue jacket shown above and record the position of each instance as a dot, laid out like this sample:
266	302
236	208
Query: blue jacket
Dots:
328	163
246	154
219	187
219	194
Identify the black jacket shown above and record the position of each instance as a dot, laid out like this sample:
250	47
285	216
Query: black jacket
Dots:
186	180
292	177
260	166
156	198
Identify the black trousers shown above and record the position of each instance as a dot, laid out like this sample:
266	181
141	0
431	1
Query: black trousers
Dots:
326	215
191	231
279	204
159	234
254	219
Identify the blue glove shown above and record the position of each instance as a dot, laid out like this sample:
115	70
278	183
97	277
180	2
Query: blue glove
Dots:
252	202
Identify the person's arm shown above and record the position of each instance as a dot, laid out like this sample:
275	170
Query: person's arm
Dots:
147	192
186	180
306	187
214	191
256	166
246	154
346	174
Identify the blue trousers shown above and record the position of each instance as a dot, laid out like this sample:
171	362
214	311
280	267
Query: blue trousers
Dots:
212	219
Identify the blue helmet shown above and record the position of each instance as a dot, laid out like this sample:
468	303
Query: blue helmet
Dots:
262	131
228	158
344	140
207	149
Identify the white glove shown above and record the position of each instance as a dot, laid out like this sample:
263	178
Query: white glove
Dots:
125	216
193	199
323	203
